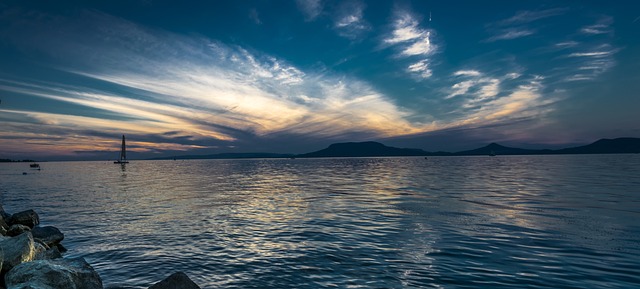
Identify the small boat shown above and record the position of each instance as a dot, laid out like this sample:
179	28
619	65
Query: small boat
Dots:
34	166
123	154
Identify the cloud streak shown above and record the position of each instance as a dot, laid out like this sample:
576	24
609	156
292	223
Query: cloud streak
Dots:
208	90
412	41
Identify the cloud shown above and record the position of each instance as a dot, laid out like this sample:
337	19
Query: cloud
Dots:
511	33
310	8
200	89
421	69
587	64
412	41
516	26
600	27
527	16
349	21
467	73
475	85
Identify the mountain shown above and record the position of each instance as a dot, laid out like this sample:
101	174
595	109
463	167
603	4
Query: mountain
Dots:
623	145
228	156
363	149
500	150
375	149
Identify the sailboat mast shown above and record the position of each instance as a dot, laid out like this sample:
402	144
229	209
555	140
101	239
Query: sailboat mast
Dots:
123	151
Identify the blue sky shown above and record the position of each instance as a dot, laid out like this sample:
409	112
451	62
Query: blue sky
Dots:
199	77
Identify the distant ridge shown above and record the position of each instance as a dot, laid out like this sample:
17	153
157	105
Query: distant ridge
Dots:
376	149
623	145
362	149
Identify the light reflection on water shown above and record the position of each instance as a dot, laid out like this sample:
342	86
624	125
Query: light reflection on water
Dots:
453	222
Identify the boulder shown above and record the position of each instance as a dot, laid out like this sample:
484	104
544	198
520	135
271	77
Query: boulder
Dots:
28	218
177	280
4	214
53	274
17	229
16	250
49	235
49	254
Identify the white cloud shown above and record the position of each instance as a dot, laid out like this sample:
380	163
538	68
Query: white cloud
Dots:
412	41
349	20
406	28
591	54
310	8
467	73
523	17
420	47
511	33
421	69
601	27
205	89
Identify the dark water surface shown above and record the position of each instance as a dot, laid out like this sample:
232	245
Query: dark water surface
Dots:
445	222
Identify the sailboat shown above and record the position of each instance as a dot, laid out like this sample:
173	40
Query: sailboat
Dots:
123	154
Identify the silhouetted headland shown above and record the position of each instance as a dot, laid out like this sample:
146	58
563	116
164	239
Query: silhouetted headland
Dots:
376	149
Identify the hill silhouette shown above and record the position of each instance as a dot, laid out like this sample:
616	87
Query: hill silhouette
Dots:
376	149
363	149
623	145
500	150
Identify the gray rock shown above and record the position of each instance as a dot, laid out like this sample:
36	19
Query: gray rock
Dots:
16	250
49	235
177	280
4	214
17	229
49	254
54	274
28	218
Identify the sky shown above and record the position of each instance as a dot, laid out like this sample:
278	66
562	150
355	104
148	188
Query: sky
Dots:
204	77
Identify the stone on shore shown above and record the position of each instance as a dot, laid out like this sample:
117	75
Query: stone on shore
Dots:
177	280
49	235
17	229
28	218
16	250
48	254
54	274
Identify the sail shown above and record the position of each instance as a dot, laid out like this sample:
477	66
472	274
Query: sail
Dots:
123	154
123	151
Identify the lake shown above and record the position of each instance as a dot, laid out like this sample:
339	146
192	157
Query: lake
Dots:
443	222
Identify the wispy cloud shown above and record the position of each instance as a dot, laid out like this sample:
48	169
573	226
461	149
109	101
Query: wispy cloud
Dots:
600	27
421	69
474	86
412	41
590	62
349	20
202	89
527	16
511	33
310	8
518	25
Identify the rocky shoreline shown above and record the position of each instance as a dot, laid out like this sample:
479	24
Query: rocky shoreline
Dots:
31	257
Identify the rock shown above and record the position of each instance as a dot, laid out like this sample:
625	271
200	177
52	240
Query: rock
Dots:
53	274
49	235
17	250
177	280
28	218
17	229
61	248
4	214
49	254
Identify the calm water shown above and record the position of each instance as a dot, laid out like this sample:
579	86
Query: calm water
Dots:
445	222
